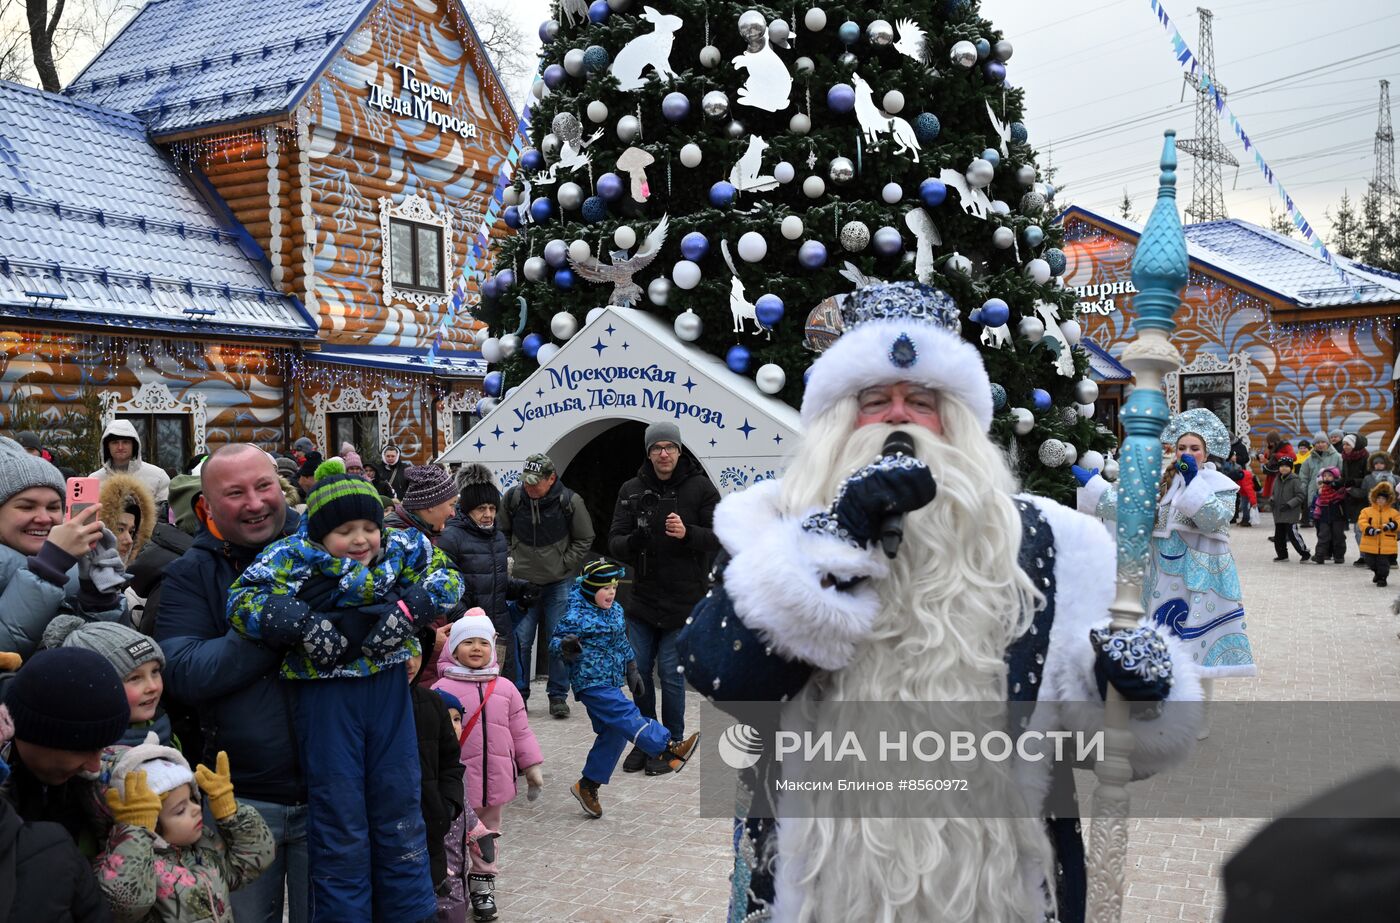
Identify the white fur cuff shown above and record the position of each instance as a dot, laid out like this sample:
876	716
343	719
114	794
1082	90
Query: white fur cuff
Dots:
1202	489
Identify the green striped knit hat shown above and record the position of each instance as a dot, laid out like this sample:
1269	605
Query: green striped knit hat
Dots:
338	498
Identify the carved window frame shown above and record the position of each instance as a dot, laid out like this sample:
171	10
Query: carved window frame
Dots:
449	406
154	397
1207	363
350	400
417	210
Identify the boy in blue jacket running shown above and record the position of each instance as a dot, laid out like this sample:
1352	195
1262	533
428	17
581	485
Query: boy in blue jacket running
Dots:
592	639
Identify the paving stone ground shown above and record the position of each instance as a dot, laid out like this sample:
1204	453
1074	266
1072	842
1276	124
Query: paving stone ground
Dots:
1319	634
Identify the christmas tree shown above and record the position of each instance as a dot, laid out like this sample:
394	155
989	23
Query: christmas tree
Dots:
735	172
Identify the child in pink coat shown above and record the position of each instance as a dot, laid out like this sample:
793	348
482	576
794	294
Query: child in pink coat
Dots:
497	742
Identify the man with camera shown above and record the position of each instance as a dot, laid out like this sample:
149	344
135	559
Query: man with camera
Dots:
662	527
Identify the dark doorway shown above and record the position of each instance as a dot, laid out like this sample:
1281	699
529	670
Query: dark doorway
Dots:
598	472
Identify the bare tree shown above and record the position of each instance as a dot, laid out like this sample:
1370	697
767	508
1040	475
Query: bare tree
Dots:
504	42
39	37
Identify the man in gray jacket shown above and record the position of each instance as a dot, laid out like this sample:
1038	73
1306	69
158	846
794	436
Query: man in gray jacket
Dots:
550	535
1323	456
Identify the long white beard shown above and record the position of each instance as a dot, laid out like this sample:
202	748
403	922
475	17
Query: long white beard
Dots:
952	603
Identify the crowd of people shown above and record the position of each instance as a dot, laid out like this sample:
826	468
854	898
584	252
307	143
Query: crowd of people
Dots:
296	686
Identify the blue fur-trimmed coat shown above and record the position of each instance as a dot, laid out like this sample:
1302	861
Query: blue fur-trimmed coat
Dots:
769	625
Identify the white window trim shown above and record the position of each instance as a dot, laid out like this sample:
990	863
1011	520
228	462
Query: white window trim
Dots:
449	407
417	209
1209	363
350	400
155	397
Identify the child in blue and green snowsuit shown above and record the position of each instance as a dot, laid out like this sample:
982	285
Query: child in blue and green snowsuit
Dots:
592	639
345	597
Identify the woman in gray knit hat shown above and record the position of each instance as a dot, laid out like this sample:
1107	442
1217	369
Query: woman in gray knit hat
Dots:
48	563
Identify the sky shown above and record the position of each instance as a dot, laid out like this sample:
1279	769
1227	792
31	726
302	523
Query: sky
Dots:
1102	84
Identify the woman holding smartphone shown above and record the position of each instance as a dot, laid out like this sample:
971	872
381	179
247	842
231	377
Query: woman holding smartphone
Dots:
48	563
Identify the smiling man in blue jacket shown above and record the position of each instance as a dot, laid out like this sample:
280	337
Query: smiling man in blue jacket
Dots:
232	681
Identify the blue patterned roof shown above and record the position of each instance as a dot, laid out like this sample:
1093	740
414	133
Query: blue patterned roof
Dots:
187	64
1102	365
98	227
1292	268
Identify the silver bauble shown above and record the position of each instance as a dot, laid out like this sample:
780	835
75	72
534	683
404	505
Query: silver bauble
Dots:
715	104
880	32
618	6
551	30
556	253
1052	453
1025	175
709	56
1004	238
1092	459
847	59
688	326
813	187
963	54
538	89
1110	470
1002	51
1039	271
1032	329
573	62
1086	391
593	314
999	207
791	227
566	126
1069	416
659	291
752	25
894	102
855	236
510	196
735	129
815	19
980	172
1023	421
1071	453
800	124
563	325
1071	331
628	128
770	378
535	268
580	251
509	344
841	170
690	155
1032	204
778	32
491	350
570	196
549	146
485	405
891	193
959	264
804	65
546	353
597	112
784	172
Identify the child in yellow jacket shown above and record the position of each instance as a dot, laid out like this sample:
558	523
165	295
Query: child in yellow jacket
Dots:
1379	524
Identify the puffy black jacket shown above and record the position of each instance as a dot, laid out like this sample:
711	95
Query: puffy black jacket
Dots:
43	876
1355	467
232	681
482	558
167	544
440	761
669	574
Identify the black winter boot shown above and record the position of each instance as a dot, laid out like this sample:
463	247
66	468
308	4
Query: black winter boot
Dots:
636	760
480	888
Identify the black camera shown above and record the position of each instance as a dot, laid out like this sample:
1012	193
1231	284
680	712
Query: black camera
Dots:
642	506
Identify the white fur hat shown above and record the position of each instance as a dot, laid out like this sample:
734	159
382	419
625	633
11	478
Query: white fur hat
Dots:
900	331
474	624
165	768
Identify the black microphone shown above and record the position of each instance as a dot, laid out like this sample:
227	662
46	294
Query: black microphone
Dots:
892	525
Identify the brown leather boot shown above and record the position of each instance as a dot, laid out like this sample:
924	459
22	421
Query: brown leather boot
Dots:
679	752
585	792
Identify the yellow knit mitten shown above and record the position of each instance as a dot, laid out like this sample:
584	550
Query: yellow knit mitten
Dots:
218	785
140	808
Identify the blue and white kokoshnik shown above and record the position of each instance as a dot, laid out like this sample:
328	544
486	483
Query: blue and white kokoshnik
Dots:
1203	423
899	332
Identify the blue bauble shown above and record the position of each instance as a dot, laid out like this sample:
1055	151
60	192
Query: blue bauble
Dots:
888	241
769	310
1019	133
694	246
504	280
554	76
992	156
995	312
722	194
1034	236
492	383
812	254
806	376
598	10
564	279
994	71
542	209
610	187
932	192
512	216
998	397
531	344
849	32
546	33
675	106
841	97
1040	398
927	127
595	209
738	359
595	58
984	49
532	160
490	289
1056	258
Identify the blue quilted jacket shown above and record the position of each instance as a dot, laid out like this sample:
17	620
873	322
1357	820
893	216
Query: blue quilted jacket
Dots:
603	634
